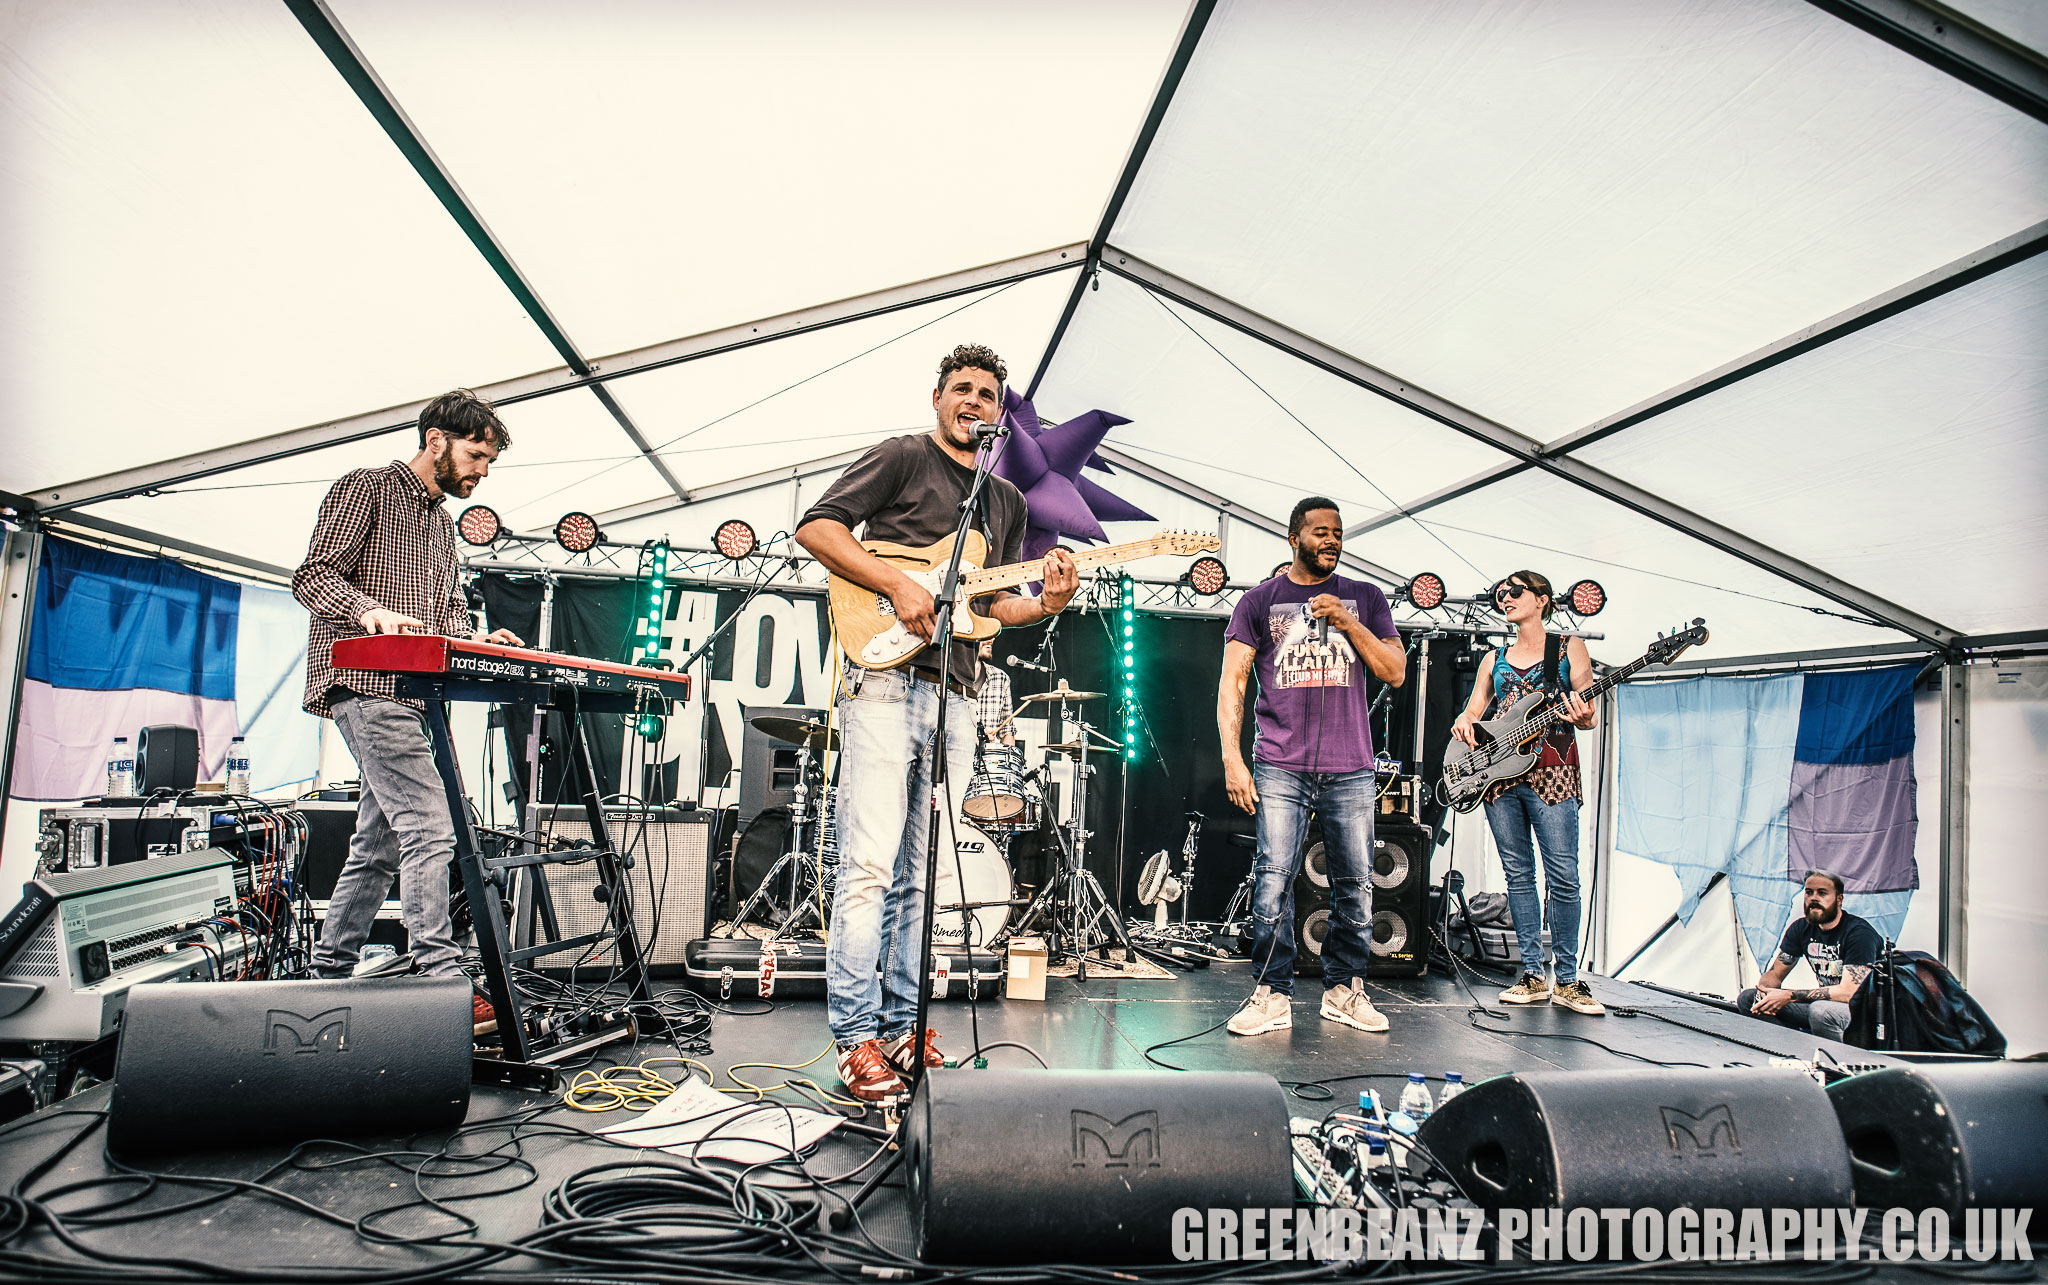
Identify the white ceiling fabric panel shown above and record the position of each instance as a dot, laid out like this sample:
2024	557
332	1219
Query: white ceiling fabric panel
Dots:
1549	210
1910	459
1193	392
1655	577
204	238
664	169
810	395
266	512
2025	21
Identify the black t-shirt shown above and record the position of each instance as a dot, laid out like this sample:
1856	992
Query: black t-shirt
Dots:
1852	941
908	490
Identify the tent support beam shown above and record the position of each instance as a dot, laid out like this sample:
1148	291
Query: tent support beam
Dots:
1954	941
355	428
21	560
2017	248
1232	509
320	23
1162	98
146	541
737	486
1524	449
1951	42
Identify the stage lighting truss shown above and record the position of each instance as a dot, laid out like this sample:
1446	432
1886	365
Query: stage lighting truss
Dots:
1425	591
735	539
1586	598
577	532
654	614
478	525
1127	635
1206	576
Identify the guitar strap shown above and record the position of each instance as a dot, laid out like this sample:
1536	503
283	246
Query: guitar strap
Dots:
1553	651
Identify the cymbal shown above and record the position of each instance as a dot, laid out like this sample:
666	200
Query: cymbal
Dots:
1062	693
797	731
1101	746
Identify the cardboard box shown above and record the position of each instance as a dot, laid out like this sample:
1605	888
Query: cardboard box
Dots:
1026	968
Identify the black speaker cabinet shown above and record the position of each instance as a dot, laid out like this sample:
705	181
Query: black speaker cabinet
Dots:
1400	902
1947	1137
1086	1166
236	1064
1654	1139
166	758
768	766
669	882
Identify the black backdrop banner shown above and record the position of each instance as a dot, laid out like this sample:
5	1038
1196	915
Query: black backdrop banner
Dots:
1138	806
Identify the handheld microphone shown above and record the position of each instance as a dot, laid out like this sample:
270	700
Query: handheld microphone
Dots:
1323	630
1025	664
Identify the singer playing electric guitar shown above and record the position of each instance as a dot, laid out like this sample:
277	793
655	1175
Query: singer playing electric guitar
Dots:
907	491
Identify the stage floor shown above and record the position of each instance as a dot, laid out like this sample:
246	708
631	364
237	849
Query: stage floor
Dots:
1103	1024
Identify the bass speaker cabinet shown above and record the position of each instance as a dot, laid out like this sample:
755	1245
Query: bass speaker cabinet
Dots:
669	884
1662	1139
238	1064
768	766
1086	1166
1400	902
1947	1137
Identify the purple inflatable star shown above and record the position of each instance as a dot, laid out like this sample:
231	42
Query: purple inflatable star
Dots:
1046	463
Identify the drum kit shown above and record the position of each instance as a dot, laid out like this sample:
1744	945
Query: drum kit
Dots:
1001	811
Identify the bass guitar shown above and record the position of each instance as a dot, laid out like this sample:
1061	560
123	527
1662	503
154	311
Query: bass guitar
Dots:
866	620
1509	743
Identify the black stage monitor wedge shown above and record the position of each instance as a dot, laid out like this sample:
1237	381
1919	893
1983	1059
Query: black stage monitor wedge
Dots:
1947	1137
1653	1139
166	758
1086	1166
235	1064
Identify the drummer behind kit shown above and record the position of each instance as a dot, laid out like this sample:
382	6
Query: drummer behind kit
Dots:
866	620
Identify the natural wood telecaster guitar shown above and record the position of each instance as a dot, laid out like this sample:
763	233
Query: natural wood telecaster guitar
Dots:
866	620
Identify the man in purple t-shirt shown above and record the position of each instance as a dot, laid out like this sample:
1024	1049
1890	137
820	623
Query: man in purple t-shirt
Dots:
1313	754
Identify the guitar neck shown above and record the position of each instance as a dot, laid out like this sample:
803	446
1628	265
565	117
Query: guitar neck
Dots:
990	579
1542	722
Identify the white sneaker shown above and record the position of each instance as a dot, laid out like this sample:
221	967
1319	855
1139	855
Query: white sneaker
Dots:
1350	1005
1266	1010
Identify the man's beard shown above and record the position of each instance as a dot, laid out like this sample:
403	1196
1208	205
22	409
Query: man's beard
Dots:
1816	911
445	475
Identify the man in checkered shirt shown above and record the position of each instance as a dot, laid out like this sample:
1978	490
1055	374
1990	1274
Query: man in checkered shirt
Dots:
992	702
382	561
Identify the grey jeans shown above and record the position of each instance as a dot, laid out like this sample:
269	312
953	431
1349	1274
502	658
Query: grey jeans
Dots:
402	829
1826	1018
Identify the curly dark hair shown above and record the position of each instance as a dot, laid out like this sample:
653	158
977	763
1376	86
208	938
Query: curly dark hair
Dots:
464	414
972	357
1307	505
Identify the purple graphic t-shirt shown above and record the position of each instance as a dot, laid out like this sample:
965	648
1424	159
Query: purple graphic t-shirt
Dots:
1312	698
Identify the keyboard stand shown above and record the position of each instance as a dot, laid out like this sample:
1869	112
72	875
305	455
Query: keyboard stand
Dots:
484	881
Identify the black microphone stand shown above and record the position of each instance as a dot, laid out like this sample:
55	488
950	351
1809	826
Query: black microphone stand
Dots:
942	602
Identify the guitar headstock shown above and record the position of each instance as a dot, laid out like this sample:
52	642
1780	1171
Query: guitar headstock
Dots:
1187	543
1669	647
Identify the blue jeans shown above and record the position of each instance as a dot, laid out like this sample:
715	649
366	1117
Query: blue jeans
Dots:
1513	816
1343	802
885	788
1826	1018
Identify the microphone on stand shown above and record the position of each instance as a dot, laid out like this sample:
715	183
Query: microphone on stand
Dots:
1026	664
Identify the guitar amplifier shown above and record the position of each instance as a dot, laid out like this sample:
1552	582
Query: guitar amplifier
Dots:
669	884
1400	902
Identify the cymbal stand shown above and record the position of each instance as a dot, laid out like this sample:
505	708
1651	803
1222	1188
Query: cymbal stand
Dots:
1072	903
799	819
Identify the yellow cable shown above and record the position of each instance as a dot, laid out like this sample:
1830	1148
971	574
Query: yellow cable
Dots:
639	1087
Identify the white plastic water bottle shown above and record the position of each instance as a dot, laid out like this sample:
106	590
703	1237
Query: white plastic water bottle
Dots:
1454	1084
1415	1099
121	770
238	766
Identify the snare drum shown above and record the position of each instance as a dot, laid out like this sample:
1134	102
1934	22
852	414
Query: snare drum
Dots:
997	791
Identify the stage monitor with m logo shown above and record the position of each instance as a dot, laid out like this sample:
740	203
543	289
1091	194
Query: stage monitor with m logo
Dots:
234	1064
1732	1138
1019	1167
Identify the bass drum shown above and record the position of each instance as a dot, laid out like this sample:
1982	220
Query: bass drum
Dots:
971	872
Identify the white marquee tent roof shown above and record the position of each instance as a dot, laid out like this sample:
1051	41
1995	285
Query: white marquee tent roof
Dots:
1736	306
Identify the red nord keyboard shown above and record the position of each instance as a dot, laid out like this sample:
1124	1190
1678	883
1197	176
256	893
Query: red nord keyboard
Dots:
432	654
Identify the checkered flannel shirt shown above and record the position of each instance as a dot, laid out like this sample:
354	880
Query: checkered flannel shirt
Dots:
992	702
382	540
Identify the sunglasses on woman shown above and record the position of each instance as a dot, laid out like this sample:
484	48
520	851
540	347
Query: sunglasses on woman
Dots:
1508	592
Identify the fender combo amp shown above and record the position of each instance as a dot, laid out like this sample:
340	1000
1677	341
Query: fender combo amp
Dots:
1947	1137
1400	902
668	884
1086	1166
234	1064
1663	1139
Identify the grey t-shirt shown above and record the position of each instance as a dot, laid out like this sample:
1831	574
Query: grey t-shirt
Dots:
908	490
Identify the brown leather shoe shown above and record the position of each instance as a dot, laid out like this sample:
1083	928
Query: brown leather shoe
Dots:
865	1071
898	1051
